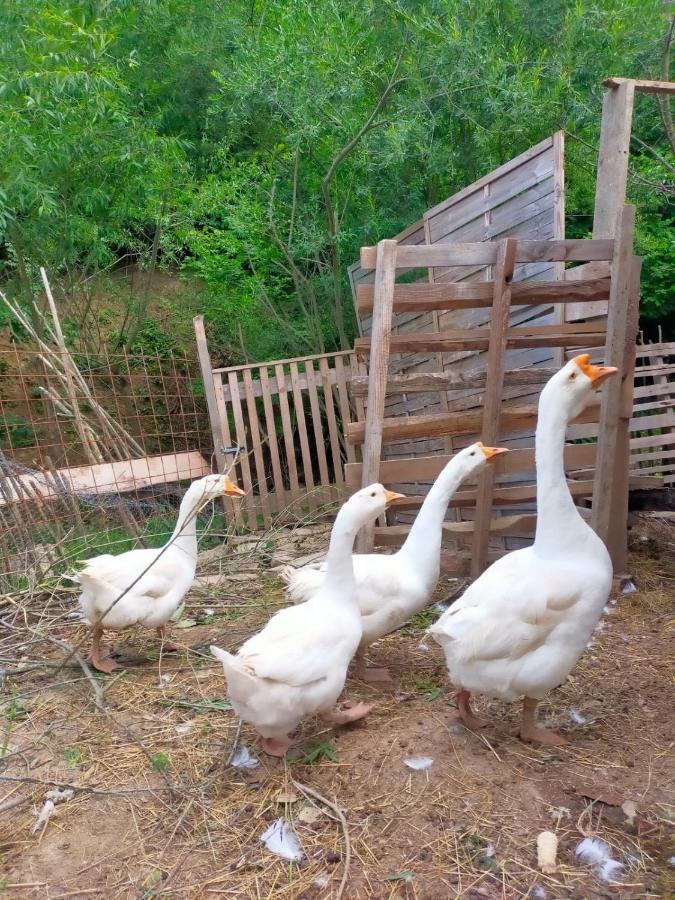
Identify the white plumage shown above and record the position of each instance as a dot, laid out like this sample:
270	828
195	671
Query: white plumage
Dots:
297	665
391	589
518	630
155	581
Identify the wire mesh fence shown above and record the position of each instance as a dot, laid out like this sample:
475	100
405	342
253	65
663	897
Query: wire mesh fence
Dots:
94	454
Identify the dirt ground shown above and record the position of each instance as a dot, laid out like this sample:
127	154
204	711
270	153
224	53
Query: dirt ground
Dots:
157	810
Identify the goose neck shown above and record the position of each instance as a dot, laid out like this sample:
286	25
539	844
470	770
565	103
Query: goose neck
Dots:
423	544
339	562
184	535
558	520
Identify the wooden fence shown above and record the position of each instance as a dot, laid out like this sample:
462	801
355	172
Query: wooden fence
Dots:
611	272
289	415
652	442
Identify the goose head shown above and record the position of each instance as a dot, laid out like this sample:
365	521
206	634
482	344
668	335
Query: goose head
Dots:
210	487
573	386
370	502
474	457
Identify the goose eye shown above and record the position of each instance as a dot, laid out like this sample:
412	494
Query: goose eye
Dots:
373	494
573	376
473	453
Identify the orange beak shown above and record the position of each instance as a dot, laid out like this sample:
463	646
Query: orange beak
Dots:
491	452
597	374
391	496
232	490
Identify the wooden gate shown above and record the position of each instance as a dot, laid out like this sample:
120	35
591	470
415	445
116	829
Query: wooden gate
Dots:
289	415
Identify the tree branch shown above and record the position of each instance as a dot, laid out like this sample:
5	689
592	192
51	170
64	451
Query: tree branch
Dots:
326	184
663	99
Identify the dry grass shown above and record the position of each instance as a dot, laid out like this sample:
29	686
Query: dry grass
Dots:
158	811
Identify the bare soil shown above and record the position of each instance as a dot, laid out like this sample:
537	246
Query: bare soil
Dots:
157	810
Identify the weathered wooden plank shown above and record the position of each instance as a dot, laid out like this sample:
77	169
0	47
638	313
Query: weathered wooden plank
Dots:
319	441
652	440
422	297
496	355
612	176
331	421
503	495
108	478
642	85
209	391
343	402
484	254
662	388
385	275
658	370
667	349
272	385
590	334
456	423
497	174
450	381
244	464
258	457
559	313
657	455
301	425
428	468
653	405
233	508
271	429
283	362
499	207
289	442
610	479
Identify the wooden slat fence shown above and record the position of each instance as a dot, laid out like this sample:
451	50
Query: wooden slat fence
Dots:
496	401
290	416
652	444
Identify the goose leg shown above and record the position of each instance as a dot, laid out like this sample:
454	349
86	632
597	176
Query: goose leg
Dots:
466	714
367	674
167	644
351	714
530	731
103	664
276	746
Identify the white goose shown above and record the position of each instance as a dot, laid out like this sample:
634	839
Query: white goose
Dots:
297	665
159	591
391	589
519	628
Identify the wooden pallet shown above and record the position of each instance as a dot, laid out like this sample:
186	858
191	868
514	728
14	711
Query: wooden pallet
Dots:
609	273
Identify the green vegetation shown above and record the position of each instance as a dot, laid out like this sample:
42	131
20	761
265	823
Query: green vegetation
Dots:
320	751
160	762
428	688
253	147
73	757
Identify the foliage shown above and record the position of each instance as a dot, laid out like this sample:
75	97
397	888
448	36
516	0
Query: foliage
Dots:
254	147
321	750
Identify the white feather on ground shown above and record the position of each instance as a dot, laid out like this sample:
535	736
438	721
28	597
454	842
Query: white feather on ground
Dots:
280	839
596	853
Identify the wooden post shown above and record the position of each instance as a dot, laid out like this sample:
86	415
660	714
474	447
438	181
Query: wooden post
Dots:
258	457
249	500
617	536
611	475
383	304
559	309
501	304
612	177
210	392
